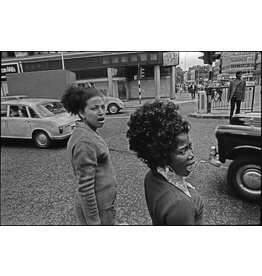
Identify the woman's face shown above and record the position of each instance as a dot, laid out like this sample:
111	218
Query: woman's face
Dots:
94	112
182	158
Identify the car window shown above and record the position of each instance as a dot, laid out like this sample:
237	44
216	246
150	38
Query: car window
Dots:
18	111
49	109
32	113
14	111
3	110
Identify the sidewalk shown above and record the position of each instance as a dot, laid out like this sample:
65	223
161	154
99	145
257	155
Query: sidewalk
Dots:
183	99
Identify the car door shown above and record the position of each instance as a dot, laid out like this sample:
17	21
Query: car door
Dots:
4	128
19	122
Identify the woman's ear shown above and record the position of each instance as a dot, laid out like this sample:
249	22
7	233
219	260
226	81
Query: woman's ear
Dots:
81	114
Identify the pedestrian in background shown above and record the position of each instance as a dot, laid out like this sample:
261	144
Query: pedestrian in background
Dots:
159	136
236	94
89	156
193	91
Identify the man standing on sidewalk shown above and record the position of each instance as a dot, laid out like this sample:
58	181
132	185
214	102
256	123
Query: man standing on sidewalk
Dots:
236	94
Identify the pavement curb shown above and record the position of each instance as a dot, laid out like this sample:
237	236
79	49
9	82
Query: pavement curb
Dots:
209	116
189	102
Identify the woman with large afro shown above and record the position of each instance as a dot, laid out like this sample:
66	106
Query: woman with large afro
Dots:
159	136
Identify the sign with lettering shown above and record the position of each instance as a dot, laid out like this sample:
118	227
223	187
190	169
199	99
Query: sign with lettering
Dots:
9	68
170	58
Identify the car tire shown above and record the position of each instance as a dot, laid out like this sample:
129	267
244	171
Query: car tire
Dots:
244	176
113	108
42	140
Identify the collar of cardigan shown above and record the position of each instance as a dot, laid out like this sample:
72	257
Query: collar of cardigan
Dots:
175	180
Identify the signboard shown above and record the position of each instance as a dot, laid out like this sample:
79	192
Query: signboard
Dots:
250	83
9	68
170	58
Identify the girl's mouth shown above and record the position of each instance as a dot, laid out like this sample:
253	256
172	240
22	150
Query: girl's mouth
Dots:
189	167
101	120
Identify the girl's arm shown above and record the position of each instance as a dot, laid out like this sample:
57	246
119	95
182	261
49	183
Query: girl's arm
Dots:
85	163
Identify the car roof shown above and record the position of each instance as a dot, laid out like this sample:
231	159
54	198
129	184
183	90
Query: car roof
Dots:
29	101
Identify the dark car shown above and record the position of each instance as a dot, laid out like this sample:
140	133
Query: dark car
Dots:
241	142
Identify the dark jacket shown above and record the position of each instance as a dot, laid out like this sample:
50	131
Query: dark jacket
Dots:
238	88
168	205
96	184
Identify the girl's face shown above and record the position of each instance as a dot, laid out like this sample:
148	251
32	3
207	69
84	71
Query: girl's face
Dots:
182	158
94	112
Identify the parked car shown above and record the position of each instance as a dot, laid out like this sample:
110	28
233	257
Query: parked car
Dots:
6	98
113	104
241	142
43	120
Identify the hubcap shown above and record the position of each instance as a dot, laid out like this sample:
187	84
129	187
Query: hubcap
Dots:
249	178
113	109
42	139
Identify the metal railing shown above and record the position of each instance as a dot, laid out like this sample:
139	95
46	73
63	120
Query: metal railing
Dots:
219	99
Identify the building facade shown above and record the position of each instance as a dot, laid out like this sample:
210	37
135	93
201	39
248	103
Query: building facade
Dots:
115	73
198	74
238	61
257	69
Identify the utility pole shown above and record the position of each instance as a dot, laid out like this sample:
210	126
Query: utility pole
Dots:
140	75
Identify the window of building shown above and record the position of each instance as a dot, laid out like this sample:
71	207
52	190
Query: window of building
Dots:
134	58
105	60
143	57
124	59
153	56
115	59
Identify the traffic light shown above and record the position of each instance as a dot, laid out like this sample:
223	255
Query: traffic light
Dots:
209	57
141	72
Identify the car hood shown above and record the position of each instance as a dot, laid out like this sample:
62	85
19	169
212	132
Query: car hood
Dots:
63	118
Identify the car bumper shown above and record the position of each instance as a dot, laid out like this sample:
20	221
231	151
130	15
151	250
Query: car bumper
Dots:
61	137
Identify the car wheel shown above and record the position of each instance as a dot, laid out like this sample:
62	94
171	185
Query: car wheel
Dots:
113	109
244	176
42	140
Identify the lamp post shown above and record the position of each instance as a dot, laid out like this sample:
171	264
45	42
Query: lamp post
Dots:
63	64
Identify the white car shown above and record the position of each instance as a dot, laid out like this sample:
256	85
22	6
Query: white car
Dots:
42	120
113	104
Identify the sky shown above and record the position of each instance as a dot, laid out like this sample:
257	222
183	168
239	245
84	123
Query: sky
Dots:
188	59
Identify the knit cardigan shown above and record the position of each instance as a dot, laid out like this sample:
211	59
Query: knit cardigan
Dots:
96	184
168	205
